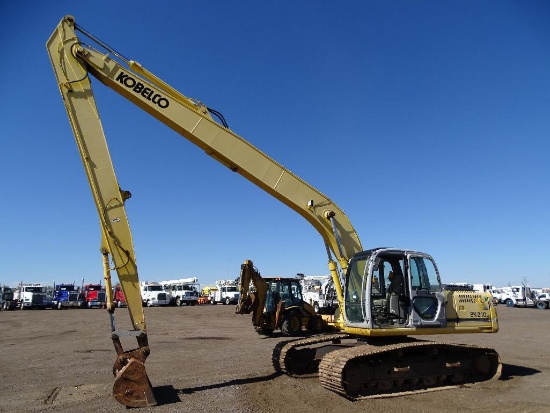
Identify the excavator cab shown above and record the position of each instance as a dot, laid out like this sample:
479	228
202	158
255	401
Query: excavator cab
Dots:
392	288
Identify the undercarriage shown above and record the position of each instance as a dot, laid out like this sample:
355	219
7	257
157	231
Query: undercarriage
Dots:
358	369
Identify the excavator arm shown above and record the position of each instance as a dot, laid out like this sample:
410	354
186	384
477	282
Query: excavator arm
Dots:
73	62
132	387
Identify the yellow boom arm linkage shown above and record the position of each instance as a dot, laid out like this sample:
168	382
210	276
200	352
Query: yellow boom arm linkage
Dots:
73	62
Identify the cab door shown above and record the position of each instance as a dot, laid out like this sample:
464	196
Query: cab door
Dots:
427	299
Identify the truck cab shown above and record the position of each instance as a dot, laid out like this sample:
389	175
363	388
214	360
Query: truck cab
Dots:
66	296
226	292
153	294
31	296
7	301
94	296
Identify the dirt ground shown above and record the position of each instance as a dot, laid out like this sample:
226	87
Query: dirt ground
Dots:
207	359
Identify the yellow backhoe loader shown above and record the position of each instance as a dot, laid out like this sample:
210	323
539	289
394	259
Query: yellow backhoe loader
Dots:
276	303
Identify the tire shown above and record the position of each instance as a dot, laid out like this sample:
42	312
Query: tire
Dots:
59	306
316	307
541	305
178	301
509	303
227	301
119	304
212	301
292	325
149	304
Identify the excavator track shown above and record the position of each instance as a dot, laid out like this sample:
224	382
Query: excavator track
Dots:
298	358
372	371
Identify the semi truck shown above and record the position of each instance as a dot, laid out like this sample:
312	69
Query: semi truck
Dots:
94	295
7	301
66	296
30	296
118	296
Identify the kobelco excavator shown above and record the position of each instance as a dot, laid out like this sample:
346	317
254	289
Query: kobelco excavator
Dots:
385	295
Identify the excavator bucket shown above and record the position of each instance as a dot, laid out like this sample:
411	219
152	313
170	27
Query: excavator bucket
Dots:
132	387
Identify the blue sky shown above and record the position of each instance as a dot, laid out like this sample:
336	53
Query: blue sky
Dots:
426	121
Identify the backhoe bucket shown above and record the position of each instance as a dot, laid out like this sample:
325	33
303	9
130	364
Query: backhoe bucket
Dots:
132	387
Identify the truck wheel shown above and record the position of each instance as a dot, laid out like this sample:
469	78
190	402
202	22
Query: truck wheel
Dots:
212	301
316	306
292	325
227	301
178	301
541	305
509	303
59	306
149	304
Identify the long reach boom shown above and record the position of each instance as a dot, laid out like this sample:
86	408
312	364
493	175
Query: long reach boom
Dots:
73	62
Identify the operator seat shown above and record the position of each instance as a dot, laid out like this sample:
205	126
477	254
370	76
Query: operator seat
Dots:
397	299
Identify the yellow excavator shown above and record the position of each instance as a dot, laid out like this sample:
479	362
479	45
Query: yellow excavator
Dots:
385	295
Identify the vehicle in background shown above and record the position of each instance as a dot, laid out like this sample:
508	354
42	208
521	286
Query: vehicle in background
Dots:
30	296
543	301
66	296
118	296
518	296
226	292
153	294
94	295
184	291
318	291
7	301
276	303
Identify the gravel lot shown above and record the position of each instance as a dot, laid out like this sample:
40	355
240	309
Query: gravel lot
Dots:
207	359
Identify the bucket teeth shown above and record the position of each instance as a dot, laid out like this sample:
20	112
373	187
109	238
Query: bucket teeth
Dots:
132	387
